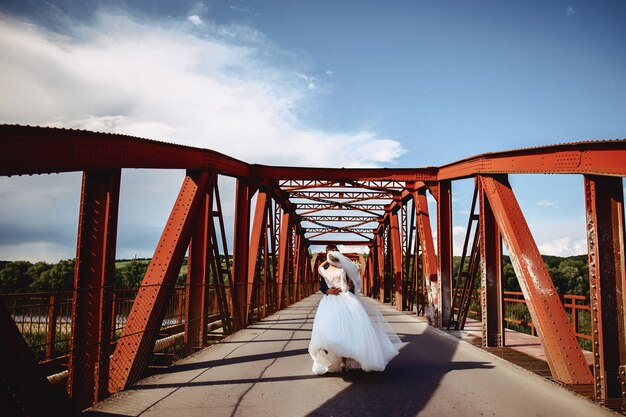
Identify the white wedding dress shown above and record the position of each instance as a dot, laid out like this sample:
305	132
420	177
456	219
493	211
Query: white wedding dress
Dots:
344	328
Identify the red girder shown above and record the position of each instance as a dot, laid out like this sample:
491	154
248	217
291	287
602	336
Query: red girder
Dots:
93	288
40	150
342	195
604	202
341	206
137	339
339	174
364	219
598	158
35	150
561	347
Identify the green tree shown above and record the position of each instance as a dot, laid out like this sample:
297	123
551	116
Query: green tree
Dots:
14	277
131	274
60	277
508	276
37	269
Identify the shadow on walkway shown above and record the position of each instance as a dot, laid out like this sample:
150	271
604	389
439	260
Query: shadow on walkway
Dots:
405	387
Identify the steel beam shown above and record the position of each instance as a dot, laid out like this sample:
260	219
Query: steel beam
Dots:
380	256
198	274
135	344
241	248
258	234
281	271
94	277
425	236
440	295
492	302
597	157
557	337
342	195
325	242
41	150
604	202
361	219
339	174
395	246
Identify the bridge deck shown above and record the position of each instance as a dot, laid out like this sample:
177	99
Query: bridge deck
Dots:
265	370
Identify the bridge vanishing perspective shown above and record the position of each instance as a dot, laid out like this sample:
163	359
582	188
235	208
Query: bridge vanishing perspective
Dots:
280	212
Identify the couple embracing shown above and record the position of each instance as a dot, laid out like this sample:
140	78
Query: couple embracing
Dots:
347	333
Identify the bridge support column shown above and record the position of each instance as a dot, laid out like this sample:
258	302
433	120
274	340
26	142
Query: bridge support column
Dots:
380	265
296	277
604	200
136	342
440	295
241	251
395	247
564	355
283	258
198	274
491	276
429	259
258	234
94	276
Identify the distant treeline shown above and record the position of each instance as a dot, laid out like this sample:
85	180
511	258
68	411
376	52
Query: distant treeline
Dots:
570	275
24	276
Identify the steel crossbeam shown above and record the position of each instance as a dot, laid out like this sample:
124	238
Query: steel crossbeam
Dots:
144	321
362	219
342	195
332	229
367	208
558	340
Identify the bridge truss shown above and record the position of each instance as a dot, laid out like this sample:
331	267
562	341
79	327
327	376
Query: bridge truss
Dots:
272	265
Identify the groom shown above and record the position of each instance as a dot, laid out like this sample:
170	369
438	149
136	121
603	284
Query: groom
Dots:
323	286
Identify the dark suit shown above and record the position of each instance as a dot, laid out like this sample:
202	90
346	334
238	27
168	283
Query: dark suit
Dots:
324	286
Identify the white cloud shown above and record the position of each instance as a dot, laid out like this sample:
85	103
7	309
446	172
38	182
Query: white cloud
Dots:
564	246
329	72
569	11
545	203
161	82
196	20
241	9
223	88
46	251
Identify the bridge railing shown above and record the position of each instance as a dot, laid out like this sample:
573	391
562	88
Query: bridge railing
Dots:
516	313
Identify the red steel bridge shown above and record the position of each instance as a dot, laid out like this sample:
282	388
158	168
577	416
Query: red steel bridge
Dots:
280	212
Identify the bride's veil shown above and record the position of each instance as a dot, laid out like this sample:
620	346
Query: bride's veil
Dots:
350	269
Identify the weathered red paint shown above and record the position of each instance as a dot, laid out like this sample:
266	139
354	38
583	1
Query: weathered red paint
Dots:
604	202
139	334
491	277
94	276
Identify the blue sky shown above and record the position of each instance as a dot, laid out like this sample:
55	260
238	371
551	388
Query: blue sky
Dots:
329	83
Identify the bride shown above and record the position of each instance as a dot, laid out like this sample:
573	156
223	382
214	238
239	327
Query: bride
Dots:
346	333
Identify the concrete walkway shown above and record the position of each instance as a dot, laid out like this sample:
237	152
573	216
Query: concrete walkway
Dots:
265	370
